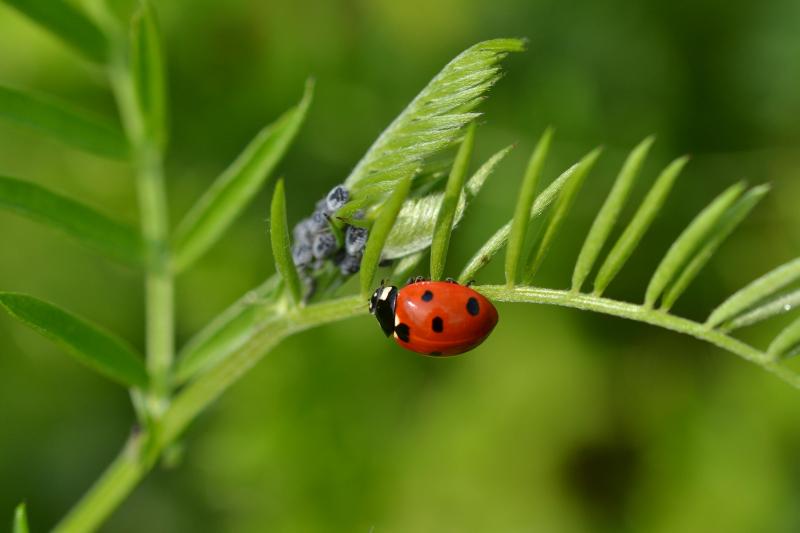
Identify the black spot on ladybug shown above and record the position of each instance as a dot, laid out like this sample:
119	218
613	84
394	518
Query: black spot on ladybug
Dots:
438	324
402	331
472	307
427	296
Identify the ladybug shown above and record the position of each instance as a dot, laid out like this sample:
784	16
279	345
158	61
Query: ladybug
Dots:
434	317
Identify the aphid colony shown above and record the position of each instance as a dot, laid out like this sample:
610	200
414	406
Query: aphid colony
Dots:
316	238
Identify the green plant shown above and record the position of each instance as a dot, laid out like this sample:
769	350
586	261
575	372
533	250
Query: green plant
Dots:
398	186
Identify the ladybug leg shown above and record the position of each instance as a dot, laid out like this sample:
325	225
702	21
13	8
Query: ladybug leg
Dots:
470	283
451	280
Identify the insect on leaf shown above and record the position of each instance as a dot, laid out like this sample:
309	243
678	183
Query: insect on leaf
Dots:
88	226
281	245
379	234
638	225
99	350
64	123
445	216
692	238
436	117
68	23
608	214
754	293
527	195
214	212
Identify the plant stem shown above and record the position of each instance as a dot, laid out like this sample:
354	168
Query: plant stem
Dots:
159	291
140	453
640	313
109	490
142	450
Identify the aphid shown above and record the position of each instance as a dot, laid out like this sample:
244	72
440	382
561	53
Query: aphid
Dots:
302	232
337	197
324	245
355	239
301	254
350	264
434	317
317	222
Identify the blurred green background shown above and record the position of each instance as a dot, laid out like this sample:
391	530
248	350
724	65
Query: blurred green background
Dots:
561	421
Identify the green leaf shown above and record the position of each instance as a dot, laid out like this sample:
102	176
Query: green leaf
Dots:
692	238
90	345
64	123
447	210
84	223
500	237
638	225
281	245
757	291
786	341
380	232
559	213
20	519
68	23
413	229
148	65
608	214
221	204
435	118
774	307
735	215
227	332
527	195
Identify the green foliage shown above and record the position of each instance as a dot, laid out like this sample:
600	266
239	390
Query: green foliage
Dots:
398	183
20	519
64	123
560	210
638	225
727	224
221	204
90	227
148	69
527	194
608	214
281	245
757	291
692	238
68	23
380	232
786	341
435	118
447	210
542	203
415	224
89	344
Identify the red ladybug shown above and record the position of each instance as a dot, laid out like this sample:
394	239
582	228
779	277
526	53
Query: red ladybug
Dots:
434	317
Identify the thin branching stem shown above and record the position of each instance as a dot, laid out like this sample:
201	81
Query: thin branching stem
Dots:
159	287
643	314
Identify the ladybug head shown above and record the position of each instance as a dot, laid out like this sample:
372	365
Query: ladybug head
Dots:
382	305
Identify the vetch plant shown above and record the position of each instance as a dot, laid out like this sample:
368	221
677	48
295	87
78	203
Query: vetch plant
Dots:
402	199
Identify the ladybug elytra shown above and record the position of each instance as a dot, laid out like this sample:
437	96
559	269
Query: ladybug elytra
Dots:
434	317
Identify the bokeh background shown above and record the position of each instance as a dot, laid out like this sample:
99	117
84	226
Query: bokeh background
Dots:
561	421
